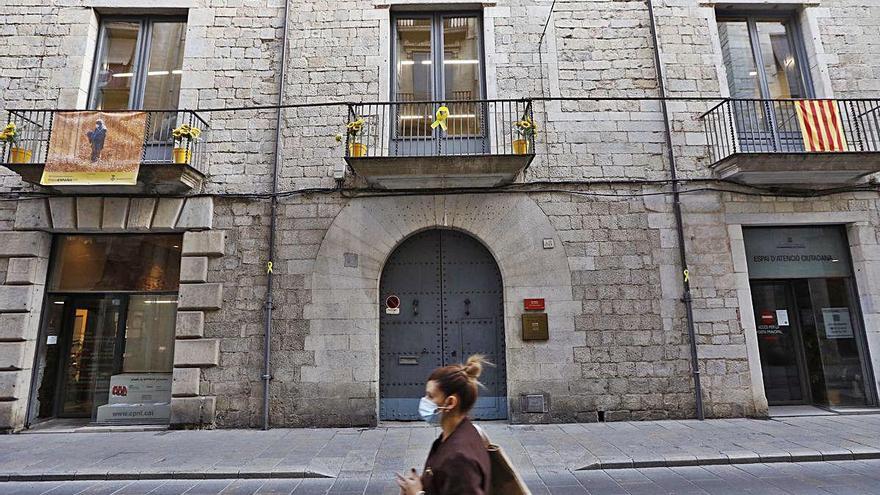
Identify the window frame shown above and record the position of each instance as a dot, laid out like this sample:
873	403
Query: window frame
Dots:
438	78
795	43
142	52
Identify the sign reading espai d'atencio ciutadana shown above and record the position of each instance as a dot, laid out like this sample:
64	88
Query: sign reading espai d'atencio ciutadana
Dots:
797	252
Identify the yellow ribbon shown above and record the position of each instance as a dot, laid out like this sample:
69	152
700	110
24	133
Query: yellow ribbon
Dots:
687	276
442	115
269	267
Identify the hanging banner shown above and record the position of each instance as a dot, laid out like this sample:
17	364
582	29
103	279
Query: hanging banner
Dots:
95	148
821	126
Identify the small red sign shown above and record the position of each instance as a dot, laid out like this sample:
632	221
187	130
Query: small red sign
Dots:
533	304
767	317
392	302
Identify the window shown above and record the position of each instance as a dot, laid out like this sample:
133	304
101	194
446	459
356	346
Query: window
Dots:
763	57
139	63
116	262
438	59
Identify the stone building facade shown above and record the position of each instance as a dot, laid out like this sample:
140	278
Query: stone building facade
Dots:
589	226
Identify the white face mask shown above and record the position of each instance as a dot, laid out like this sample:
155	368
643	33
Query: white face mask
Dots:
429	411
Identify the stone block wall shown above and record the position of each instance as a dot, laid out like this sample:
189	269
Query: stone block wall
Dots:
848	29
238	325
635	363
25	256
339	52
625	347
190	404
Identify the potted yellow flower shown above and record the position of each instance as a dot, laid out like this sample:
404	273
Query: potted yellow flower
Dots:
16	154
526	130
184	135
356	149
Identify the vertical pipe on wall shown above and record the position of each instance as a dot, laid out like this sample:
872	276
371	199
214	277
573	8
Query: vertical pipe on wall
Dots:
679	223
267	334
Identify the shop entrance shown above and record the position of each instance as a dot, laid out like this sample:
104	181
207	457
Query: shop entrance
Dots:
810	338
441	301
106	345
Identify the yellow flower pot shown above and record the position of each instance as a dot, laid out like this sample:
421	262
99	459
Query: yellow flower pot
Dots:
357	150
520	146
182	155
20	155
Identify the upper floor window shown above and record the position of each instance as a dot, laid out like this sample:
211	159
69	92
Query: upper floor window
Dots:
139	63
764	57
438	57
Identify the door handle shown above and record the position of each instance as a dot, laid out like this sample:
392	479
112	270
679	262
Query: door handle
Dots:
453	353
467	307
415	307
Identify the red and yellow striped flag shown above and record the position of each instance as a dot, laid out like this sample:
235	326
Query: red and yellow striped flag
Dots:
820	125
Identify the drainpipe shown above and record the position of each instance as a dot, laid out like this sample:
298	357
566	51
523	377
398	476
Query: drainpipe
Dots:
679	223
267	334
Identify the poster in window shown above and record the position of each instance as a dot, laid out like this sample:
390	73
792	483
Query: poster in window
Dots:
95	148
837	323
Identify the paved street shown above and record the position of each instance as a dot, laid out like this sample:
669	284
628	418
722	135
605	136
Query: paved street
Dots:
827	454
827	478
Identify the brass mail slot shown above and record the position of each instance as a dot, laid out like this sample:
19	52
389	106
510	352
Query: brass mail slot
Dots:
408	360
534	326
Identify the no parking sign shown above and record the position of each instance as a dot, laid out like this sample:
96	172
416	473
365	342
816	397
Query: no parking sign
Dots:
392	305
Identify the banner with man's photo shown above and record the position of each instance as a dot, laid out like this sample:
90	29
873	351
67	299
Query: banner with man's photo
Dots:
95	148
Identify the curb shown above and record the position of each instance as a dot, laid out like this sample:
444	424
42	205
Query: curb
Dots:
212	475
715	461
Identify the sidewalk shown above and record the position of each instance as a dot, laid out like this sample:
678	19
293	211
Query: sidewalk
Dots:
551	452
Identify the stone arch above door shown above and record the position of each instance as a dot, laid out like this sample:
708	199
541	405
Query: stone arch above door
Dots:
344	312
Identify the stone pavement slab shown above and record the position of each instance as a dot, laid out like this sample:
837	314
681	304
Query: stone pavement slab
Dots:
553	454
821	478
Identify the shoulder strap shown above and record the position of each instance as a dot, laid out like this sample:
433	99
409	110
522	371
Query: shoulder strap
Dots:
482	433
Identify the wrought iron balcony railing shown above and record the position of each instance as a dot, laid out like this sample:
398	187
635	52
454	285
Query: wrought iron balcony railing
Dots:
778	126
472	128
431	144
35	128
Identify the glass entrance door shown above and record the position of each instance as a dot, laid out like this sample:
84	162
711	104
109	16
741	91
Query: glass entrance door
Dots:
779	343
832	345
808	338
91	328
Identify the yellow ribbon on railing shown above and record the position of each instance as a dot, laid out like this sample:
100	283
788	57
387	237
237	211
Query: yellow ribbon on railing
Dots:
442	115
269	267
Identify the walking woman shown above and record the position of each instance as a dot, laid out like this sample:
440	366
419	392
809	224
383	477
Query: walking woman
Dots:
458	463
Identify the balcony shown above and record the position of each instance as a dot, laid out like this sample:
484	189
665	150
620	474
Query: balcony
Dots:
161	169
398	148
797	143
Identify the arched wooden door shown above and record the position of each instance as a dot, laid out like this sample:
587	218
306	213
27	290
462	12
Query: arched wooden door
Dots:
451	306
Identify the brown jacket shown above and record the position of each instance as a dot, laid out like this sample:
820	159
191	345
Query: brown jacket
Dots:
459	465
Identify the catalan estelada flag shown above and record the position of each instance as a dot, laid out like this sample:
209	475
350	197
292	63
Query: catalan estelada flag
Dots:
820	125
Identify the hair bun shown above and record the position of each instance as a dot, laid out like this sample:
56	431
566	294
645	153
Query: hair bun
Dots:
473	368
